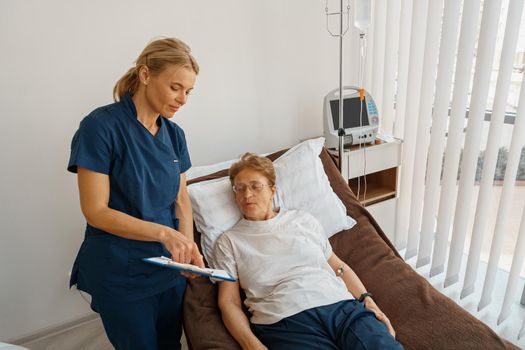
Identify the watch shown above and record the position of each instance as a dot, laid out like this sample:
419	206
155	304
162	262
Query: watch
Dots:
364	295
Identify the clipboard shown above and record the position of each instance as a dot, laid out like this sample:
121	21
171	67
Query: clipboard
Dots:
170	264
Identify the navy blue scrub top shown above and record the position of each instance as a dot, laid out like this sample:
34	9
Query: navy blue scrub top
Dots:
144	173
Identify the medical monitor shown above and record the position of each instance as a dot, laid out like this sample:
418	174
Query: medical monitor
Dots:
360	118
351	111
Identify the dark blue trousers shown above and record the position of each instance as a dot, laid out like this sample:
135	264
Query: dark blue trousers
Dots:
343	325
153	323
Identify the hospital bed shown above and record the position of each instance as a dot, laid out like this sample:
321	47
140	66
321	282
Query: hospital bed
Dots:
422	317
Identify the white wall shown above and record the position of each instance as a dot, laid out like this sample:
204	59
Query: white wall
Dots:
265	67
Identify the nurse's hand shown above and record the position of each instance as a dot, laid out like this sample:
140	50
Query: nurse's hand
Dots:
181	248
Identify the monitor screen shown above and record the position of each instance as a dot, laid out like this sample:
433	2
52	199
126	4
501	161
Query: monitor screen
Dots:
351	111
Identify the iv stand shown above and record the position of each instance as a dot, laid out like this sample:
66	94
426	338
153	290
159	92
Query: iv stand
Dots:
342	32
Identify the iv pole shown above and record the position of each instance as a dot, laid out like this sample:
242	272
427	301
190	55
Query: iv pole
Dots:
342	32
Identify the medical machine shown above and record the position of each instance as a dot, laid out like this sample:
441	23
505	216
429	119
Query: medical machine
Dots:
360	117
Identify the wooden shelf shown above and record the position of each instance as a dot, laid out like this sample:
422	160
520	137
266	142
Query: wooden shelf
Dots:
380	186
374	195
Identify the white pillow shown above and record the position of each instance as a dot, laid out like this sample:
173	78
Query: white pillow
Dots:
198	171
214	211
301	184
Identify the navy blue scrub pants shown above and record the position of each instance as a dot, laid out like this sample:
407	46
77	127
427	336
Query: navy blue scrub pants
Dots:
343	325
153	323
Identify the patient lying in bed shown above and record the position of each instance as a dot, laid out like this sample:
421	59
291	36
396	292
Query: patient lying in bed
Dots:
299	293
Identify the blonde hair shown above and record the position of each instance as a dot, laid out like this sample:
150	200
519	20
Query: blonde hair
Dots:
254	162
156	56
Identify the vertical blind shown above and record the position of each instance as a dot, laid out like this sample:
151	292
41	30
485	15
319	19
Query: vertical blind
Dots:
390	68
411	110
428	59
445	70
494	139
480	89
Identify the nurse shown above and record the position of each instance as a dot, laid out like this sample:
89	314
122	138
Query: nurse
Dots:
131	163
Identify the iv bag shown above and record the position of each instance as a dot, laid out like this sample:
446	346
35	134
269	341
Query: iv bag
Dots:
362	14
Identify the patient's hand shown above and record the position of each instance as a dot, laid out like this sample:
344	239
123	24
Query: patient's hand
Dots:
189	275
256	346
372	306
198	261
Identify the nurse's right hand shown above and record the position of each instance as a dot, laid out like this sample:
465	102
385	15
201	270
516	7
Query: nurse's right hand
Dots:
181	248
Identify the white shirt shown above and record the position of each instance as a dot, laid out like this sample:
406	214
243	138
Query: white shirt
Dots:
281	264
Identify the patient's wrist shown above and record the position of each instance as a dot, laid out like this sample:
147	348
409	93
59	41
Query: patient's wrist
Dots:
365	296
368	299
253	343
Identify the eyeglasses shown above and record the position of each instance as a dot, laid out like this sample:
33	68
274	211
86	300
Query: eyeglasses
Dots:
255	187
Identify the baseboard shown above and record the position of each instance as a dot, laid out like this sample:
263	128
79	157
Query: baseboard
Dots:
54	330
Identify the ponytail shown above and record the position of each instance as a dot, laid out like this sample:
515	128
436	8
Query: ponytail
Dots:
127	84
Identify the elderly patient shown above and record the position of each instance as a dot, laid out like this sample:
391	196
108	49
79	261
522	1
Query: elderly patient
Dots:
299	293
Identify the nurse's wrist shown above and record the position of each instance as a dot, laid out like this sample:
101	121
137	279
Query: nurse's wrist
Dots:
163	235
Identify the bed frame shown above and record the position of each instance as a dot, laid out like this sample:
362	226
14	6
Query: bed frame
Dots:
422	317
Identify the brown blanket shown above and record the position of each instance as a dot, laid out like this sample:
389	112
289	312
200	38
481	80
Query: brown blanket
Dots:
422	317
